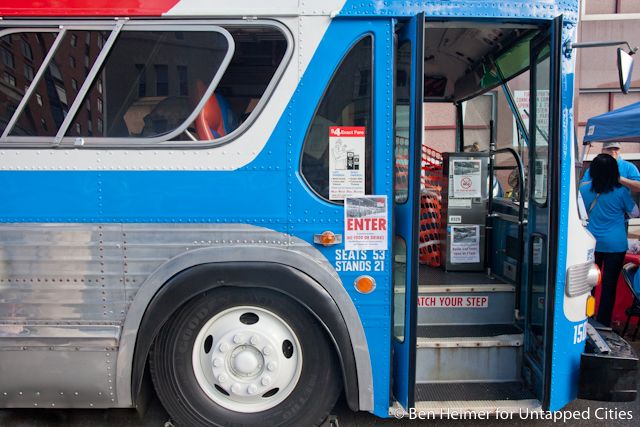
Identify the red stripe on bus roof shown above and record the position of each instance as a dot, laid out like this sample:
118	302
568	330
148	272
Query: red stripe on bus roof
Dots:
85	7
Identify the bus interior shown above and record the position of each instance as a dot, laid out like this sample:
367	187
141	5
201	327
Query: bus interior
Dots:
483	225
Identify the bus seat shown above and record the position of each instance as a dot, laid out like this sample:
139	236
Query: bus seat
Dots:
216	119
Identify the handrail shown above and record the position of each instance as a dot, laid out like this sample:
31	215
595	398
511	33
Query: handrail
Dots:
521	221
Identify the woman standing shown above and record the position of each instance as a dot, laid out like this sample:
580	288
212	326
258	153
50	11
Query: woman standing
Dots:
607	201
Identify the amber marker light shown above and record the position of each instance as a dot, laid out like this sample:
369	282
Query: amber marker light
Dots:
365	284
327	238
591	306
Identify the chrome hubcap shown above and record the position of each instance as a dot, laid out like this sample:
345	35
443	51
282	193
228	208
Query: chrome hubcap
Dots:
247	359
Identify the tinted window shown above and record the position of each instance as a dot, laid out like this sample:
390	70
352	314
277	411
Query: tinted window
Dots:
150	83
56	85
141	86
346	102
37	46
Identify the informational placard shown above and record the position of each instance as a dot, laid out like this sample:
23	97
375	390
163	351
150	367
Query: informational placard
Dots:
346	161
467	181
465	244
366	223
540	190
522	101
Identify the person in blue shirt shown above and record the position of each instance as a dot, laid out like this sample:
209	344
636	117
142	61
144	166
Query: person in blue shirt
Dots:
629	174
607	201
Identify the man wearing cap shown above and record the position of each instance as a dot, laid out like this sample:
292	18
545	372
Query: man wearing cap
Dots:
629	174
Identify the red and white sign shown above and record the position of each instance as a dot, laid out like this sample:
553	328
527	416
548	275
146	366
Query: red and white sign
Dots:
366	223
466	301
346	161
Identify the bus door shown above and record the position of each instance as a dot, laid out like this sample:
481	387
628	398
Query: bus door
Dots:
540	269
409	53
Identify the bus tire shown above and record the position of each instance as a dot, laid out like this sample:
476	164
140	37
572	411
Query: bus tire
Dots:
250	357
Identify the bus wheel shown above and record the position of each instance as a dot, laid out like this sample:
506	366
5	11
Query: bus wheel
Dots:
244	356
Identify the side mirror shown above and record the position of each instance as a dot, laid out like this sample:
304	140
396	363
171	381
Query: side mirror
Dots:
625	70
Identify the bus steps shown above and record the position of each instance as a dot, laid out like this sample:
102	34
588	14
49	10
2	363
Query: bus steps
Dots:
468	353
463	298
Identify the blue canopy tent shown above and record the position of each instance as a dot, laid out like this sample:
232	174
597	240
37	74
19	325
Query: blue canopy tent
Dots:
621	125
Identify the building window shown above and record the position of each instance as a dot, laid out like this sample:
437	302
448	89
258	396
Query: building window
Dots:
74	84
9	79
26	50
28	72
7	58
162	80
74	40
72	62
99	105
183	81
142	80
39	99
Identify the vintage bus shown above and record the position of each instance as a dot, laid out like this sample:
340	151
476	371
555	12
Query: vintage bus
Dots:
219	201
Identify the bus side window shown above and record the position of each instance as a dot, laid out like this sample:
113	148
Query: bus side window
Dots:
148	86
346	102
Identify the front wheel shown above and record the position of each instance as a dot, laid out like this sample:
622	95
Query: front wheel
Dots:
244	356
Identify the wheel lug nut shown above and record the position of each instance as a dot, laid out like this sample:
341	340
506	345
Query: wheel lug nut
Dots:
252	389
266	350
224	347
217	362
254	340
237	339
266	380
271	366
235	388
222	378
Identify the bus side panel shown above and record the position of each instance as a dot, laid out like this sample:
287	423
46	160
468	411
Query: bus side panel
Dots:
310	215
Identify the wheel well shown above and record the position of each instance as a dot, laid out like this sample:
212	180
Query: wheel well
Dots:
281	278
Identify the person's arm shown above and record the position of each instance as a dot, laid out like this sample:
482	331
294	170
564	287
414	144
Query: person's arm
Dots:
631	184
630	205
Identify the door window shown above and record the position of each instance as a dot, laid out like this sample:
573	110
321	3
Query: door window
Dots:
346	102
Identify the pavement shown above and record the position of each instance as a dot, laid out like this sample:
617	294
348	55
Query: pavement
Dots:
590	413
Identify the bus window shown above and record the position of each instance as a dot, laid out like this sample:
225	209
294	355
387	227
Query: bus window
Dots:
140	84
346	102
147	88
57	95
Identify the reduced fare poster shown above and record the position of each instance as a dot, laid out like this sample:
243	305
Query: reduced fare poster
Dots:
366	223
346	161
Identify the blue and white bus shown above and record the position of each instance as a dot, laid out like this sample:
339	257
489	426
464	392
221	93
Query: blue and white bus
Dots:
221	199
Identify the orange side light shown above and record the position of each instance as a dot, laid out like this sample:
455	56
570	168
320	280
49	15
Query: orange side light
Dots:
365	284
327	238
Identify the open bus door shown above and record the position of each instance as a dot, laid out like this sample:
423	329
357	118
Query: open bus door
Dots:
543	203
409	53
